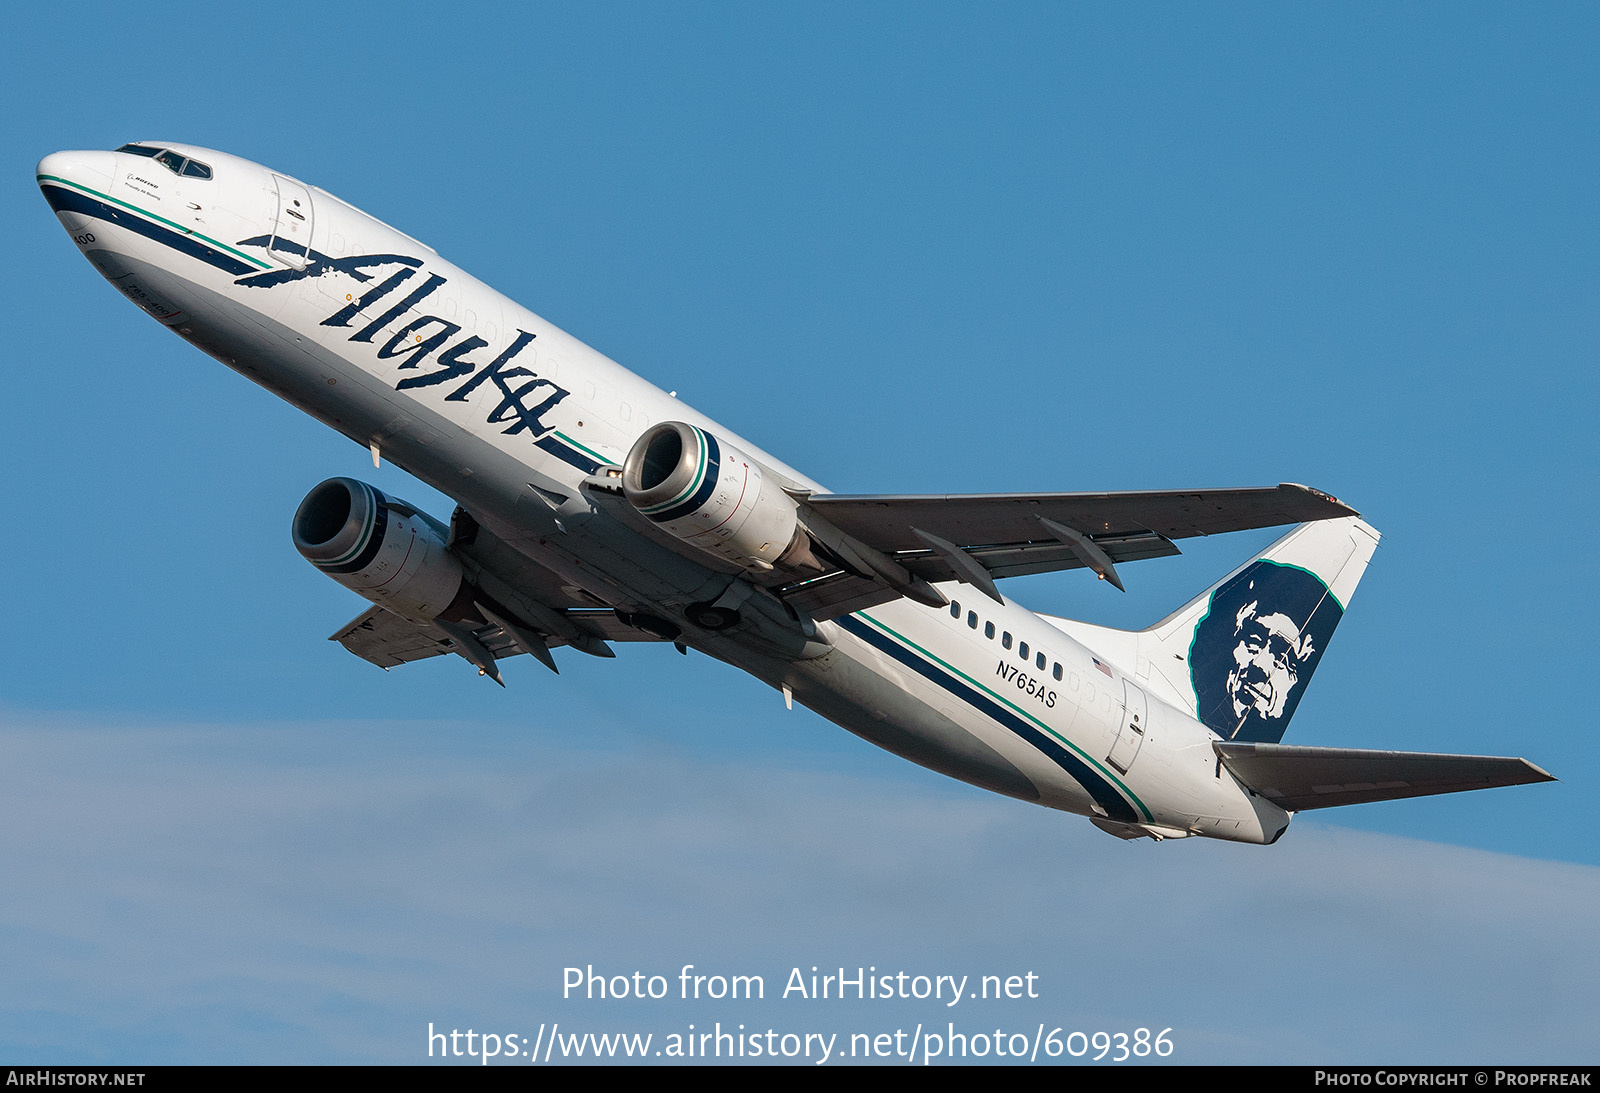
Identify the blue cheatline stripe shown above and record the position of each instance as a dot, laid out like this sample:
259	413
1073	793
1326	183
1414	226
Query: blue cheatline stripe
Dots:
1103	792
710	470
550	444
698	477
62	199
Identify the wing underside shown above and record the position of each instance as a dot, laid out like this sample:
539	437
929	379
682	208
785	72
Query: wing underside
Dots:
383	638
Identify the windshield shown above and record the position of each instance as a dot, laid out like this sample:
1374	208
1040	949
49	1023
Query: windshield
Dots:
172	161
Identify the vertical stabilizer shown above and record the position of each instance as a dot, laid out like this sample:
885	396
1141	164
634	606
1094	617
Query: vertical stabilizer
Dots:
1240	655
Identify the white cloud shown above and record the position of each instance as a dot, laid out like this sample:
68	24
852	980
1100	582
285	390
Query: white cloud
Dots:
309	893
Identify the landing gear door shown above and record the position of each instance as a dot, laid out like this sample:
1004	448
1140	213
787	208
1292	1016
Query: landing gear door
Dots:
1130	737
291	237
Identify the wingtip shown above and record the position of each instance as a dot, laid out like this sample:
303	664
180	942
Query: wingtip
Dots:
1329	498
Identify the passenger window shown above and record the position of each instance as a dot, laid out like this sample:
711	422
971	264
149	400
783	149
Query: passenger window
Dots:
1022	650
988	629
1057	671
172	161
972	620
1005	640
1039	662
955	610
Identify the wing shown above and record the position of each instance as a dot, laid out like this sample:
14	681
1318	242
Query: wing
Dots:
383	638
1299	778
528	608
978	537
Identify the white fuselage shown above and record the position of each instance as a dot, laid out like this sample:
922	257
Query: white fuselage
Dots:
377	336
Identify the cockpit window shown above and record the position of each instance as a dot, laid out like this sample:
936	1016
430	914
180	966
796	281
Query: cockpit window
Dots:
172	161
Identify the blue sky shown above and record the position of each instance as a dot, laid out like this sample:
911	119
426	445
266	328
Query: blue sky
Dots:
917	248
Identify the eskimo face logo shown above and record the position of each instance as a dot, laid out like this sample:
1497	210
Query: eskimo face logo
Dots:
1256	648
1266	660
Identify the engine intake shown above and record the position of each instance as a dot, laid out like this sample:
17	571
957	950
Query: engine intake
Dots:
383	549
710	494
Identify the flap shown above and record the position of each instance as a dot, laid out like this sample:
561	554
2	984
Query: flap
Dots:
385	639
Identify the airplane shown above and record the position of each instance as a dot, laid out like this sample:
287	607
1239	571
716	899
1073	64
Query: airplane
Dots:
594	508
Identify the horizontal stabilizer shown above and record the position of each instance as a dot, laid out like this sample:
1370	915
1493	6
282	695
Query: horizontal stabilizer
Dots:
1299	778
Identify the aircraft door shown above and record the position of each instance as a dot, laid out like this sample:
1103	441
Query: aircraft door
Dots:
291	236
1130	736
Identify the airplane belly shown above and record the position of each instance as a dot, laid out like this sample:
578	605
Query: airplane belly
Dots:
920	708
849	692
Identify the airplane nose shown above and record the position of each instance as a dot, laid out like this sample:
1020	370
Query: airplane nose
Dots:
69	180
91	169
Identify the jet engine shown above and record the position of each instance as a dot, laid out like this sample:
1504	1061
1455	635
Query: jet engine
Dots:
709	493
384	549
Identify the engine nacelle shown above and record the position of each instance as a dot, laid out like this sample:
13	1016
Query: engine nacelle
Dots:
709	493
384	549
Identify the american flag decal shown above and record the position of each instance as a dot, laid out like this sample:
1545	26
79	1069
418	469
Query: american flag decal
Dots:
1102	667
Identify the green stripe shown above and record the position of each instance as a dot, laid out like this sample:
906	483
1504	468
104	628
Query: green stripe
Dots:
366	532
951	668
152	216
568	440
699	476
1327	585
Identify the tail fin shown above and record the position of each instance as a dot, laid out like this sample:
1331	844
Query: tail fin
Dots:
1240	655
